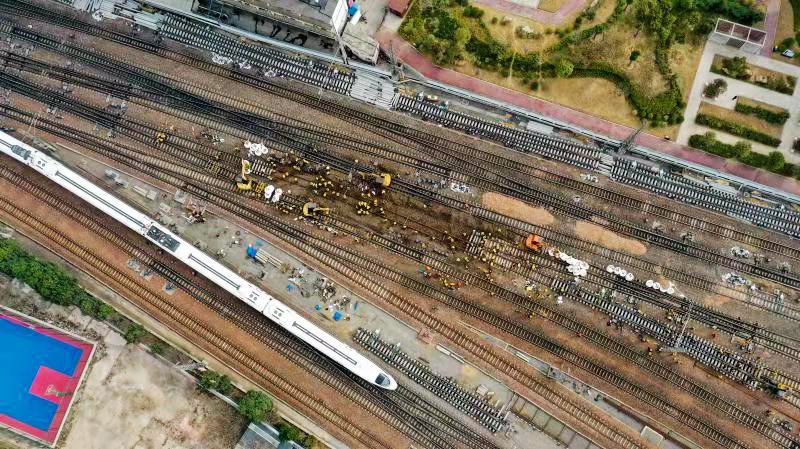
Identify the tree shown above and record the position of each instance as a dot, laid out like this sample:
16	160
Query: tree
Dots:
209	380
134	333
310	441
775	161
742	148
255	405
735	67
564	68
634	55
288	432
786	44
225	386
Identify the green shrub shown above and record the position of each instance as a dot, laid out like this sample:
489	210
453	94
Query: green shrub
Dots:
564	68
715	88
708	142
741	151
49	280
211	380
776	118
736	129
134	333
786	44
158	348
473	12
494	20
255	405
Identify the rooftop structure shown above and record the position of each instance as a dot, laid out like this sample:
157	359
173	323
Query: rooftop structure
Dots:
743	37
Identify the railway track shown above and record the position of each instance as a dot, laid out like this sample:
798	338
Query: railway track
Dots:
406	412
752	298
134	289
519	190
583	412
383	126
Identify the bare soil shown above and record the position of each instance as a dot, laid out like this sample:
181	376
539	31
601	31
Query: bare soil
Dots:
517	209
601	236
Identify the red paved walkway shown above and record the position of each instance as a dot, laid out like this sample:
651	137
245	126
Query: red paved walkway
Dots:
771	24
551	18
409	55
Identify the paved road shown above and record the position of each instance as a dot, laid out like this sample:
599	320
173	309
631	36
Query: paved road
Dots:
771	22
410	56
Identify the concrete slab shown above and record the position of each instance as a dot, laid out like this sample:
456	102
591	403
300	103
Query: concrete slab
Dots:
579	442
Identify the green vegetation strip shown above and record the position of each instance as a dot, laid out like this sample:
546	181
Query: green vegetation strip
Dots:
736	129
741	151
49	280
796	10
776	118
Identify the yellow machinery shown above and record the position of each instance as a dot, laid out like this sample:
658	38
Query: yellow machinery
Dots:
311	209
778	389
160	137
383	180
244	181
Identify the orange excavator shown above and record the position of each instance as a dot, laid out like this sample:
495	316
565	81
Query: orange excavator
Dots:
534	242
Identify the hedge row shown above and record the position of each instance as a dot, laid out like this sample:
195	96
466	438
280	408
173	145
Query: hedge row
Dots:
796	10
49	280
774	161
777	118
736	129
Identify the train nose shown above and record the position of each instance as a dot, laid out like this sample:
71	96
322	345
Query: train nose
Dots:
386	381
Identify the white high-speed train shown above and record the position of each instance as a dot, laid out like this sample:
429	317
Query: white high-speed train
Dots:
273	309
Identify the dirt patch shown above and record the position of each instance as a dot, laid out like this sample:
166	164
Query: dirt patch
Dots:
516	209
135	400
604	237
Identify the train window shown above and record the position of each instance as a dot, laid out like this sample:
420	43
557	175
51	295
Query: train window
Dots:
382	380
277	313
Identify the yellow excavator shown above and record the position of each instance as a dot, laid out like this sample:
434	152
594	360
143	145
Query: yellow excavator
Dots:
244	182
383	180
312	209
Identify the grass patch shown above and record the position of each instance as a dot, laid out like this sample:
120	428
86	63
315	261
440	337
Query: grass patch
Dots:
796	15
551	5
750	121
728	125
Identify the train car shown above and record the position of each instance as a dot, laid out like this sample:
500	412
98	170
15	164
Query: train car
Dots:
203	264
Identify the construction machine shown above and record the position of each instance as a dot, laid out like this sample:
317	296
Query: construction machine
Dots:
161	137
312	209
382	180
534	242
244	181
776	388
